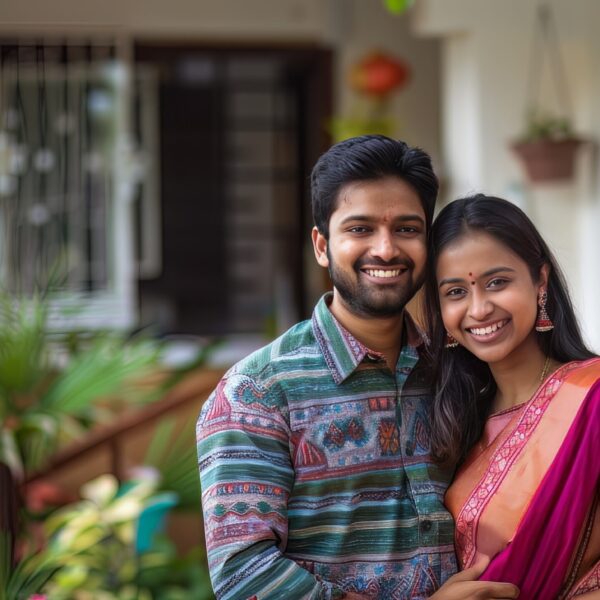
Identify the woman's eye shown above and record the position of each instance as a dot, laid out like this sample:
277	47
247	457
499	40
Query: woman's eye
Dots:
456	292
497	282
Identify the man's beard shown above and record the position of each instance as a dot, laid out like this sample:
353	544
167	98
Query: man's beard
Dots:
364	299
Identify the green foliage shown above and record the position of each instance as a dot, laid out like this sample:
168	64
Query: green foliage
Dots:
545	126
98	535
174	455
186	579
52	389
92	552
44	403
397	7
22	341
344	128
97	372
28	577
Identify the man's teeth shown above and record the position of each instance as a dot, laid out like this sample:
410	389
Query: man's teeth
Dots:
381	273
487	330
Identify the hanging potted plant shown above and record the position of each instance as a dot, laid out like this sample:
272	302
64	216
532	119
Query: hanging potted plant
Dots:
548	146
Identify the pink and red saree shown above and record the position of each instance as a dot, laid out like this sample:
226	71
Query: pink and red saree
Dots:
526	497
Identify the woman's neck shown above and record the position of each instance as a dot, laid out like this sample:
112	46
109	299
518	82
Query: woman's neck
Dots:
519	376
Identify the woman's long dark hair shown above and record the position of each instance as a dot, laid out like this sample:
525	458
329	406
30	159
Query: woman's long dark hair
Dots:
464	386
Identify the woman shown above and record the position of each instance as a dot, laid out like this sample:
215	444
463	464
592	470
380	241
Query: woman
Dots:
517	403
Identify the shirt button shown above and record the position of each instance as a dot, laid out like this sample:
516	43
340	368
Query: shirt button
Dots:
426	525
408	451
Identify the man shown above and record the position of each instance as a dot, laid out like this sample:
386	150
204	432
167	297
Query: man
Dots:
316	475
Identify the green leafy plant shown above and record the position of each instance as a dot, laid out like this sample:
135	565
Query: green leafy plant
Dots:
44	403
23	580
109	546
99	534
52	390
548	148
173	454
546	126
397	7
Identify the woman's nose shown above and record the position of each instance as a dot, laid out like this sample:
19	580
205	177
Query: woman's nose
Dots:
480	306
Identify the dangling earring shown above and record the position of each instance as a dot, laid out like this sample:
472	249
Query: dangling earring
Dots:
450	341
543	322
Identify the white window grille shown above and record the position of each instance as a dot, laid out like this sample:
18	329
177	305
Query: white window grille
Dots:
70	173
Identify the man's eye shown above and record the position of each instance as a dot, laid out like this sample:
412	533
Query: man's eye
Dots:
358	229
407	229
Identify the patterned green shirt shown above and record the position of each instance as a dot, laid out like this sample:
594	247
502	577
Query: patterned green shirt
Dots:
316	475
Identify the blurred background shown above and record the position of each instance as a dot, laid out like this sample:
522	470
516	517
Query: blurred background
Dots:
155	220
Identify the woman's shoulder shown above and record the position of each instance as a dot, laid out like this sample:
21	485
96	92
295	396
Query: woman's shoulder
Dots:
581	372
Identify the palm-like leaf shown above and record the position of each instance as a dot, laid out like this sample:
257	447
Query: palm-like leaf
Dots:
42	406
22	344
36	437
96	373
28	577
10	455
173	454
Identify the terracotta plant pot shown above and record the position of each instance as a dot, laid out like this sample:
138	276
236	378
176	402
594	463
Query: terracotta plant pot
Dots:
548	160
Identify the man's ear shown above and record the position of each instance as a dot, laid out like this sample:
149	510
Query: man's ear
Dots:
320	247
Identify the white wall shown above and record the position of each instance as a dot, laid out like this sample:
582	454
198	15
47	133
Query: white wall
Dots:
280	19
487	47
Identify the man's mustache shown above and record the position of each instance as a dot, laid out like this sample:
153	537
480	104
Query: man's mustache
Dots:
404	263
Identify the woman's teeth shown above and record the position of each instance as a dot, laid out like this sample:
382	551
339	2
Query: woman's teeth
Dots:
381	273
487	330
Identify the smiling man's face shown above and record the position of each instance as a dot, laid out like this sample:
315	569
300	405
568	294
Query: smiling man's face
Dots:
376	249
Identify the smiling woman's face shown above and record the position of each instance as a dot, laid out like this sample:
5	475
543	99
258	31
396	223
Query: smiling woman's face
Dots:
487	297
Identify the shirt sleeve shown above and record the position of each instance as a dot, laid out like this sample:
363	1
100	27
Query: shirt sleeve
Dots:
246	475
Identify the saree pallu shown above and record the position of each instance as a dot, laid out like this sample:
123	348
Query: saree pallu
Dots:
527	494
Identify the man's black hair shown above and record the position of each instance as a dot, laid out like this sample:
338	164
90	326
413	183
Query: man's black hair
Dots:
367	158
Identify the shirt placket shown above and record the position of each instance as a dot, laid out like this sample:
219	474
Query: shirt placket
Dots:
407	361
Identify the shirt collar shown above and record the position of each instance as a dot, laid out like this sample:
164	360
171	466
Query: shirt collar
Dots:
342	351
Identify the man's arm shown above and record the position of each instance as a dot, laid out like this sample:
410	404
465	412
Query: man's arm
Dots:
464	586
246	475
